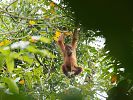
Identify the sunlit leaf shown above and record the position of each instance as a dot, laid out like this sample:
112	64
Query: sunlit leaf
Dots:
15	55
32	40
26	58
43	32
88	70
40	52
32	49
31	22
43	9
5	50
2	59
45	53
45	40
28	79
10	63
12	85
38	71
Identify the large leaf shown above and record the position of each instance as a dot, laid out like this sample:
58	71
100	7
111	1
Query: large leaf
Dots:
10	63
26	58
45	40
2	59
12	85
40	52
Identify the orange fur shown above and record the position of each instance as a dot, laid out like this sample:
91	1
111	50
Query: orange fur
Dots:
69	53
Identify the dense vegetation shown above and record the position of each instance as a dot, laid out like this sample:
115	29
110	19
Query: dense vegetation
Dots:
30	60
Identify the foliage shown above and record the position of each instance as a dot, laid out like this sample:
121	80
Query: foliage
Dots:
30	59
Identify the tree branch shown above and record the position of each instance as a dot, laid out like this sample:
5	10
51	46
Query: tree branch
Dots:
63	10
40	61
10	4
21	17
4	23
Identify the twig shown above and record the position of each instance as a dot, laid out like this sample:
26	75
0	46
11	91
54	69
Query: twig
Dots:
63	10
10	4
49	71
40	61
4	23
21	17
21	37
12	32
8	16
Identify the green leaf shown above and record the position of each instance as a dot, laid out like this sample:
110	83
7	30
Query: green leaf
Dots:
2	59
88	70
40	52
15	55
46	53
32	49
12	85
5	51
27	59
45	40
10	63
29	79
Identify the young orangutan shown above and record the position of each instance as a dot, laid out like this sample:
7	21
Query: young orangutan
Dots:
69	67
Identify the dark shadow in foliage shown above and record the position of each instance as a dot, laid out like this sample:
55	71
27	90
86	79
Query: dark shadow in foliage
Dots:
121	91
114	18
4	96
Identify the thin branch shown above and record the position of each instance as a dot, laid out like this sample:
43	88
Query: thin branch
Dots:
8	16
4	23
10	4
21	17
21	37
40	61
12	32
63	10
49	71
